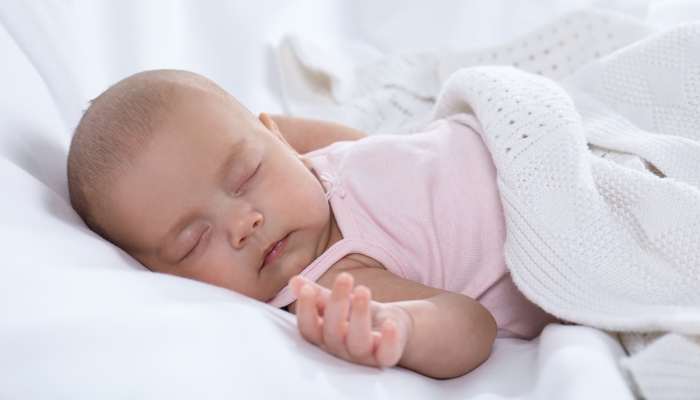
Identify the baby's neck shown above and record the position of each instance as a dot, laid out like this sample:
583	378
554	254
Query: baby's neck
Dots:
334	235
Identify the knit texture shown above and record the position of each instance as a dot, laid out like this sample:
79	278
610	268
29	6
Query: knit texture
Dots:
592	241
600	183
613	244
396	94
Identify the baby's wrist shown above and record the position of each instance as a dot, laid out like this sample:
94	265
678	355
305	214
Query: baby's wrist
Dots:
403	319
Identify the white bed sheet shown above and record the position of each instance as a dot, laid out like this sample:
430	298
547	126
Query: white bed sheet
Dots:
81	319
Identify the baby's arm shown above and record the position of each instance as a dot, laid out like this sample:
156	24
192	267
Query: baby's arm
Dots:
434	332
305	135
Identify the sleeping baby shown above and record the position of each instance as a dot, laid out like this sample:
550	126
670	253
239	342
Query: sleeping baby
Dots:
389	249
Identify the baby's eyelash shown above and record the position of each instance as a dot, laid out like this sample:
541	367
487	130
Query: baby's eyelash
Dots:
255	172
198	244
249	178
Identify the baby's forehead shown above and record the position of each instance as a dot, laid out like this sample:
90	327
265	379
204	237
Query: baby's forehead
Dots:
194	124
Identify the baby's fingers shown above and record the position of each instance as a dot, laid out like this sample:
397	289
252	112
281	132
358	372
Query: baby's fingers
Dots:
360	342
308	320
335	316
322	294
390	348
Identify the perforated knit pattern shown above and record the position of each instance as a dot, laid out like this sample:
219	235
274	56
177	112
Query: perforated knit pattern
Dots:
589	239
396	94
557	49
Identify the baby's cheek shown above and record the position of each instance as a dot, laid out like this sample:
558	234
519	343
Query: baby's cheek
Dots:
318	213
211	268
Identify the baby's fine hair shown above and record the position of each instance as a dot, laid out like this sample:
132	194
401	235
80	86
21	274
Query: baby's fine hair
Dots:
116	130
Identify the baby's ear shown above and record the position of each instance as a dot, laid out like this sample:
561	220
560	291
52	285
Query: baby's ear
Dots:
272	127
270	124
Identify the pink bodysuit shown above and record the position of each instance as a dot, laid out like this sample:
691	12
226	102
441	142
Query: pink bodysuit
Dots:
427	207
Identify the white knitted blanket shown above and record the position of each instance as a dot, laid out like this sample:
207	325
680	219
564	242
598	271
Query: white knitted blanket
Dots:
396	94
609	243
600	183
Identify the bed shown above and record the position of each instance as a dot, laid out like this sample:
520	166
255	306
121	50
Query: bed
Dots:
79	318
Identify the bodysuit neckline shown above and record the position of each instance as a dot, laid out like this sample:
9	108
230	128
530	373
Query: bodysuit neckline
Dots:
352	241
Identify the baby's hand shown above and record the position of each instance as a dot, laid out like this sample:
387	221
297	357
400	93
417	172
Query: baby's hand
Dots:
348	324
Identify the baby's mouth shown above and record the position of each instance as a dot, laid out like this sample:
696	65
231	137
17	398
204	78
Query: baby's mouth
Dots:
274	252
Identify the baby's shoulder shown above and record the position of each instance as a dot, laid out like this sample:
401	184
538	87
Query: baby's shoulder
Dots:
355	264
384	285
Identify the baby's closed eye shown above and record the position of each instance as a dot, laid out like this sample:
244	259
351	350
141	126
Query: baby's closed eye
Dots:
191	240
247	178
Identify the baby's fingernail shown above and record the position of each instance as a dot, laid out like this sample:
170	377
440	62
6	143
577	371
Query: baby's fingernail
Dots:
390	325
306	290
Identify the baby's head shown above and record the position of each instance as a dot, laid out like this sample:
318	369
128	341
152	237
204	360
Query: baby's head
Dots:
171	168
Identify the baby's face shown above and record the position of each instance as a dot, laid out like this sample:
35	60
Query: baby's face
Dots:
219	197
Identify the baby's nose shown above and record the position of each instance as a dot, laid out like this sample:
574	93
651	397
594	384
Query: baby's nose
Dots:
243	225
